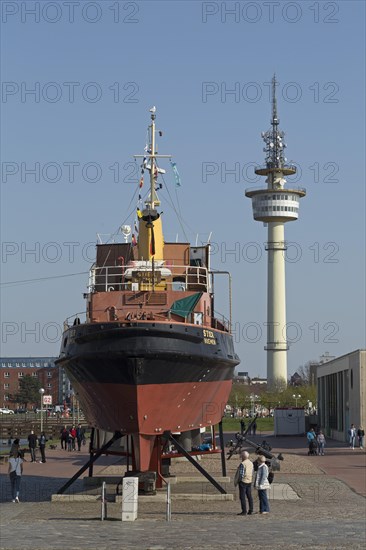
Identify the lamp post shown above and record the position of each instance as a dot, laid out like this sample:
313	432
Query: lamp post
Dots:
73	406
41	392
296	397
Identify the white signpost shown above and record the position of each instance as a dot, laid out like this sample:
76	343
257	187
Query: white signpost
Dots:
47	400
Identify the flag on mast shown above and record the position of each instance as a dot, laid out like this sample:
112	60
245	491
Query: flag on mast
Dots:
176	174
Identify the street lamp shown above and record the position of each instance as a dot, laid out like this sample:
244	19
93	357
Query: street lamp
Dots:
72	395
296	397
41	392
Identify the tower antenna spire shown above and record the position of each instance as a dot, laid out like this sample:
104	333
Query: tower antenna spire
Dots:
275	160
275	120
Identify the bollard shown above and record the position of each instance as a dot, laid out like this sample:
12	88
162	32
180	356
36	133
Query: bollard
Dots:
103	511
168	503
130	498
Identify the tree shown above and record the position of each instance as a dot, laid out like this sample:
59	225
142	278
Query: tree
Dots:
307	372
237	395
28	391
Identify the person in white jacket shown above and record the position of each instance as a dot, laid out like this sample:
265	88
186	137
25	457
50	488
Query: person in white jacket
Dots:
15	474
262	484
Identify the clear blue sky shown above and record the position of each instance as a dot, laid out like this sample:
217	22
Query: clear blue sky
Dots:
184	57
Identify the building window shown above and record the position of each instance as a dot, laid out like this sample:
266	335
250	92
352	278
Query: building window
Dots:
6	374
49	386
6	397
351	379
6	386
49	374
20	375
35	374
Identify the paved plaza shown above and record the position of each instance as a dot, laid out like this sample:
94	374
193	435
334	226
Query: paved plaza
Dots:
316	502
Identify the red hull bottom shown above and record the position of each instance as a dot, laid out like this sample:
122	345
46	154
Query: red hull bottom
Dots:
147	411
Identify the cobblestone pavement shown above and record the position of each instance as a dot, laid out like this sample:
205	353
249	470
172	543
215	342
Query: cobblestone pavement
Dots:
329	514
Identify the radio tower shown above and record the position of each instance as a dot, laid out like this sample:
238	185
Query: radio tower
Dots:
275	205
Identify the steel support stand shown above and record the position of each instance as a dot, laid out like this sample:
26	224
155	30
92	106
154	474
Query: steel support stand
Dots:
117	435
90	452
195	464
223	461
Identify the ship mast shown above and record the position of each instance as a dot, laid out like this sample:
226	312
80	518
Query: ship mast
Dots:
152	160
151	241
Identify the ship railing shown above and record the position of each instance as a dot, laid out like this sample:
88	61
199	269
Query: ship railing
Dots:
136	277
282	190
74	320
219	321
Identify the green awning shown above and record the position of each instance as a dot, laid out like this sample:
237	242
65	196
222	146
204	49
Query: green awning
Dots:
185	306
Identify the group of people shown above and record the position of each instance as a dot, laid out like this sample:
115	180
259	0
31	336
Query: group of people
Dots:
316	440
70	437
252	429
353	434
244	479
16	460
32	444
16	455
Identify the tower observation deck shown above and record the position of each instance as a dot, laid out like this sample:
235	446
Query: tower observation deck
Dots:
275	205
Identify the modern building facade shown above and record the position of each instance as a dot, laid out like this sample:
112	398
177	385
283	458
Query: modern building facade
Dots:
342	394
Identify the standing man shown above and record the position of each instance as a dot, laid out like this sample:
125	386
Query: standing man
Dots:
352	436
242	426
42	446
64	437
80	432
361	436
254	427
245	484
32	444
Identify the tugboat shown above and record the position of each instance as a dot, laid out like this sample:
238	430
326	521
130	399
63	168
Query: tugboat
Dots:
151	356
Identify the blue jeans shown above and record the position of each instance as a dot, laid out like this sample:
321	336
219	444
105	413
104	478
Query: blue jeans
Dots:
320	448
263	500
15	486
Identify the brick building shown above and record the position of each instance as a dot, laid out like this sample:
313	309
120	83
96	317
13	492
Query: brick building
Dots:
50	376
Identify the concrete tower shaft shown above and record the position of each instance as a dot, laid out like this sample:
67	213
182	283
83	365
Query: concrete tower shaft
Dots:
276	303
275	205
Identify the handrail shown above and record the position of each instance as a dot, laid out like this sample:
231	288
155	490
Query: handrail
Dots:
150	315
121	275
275	191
